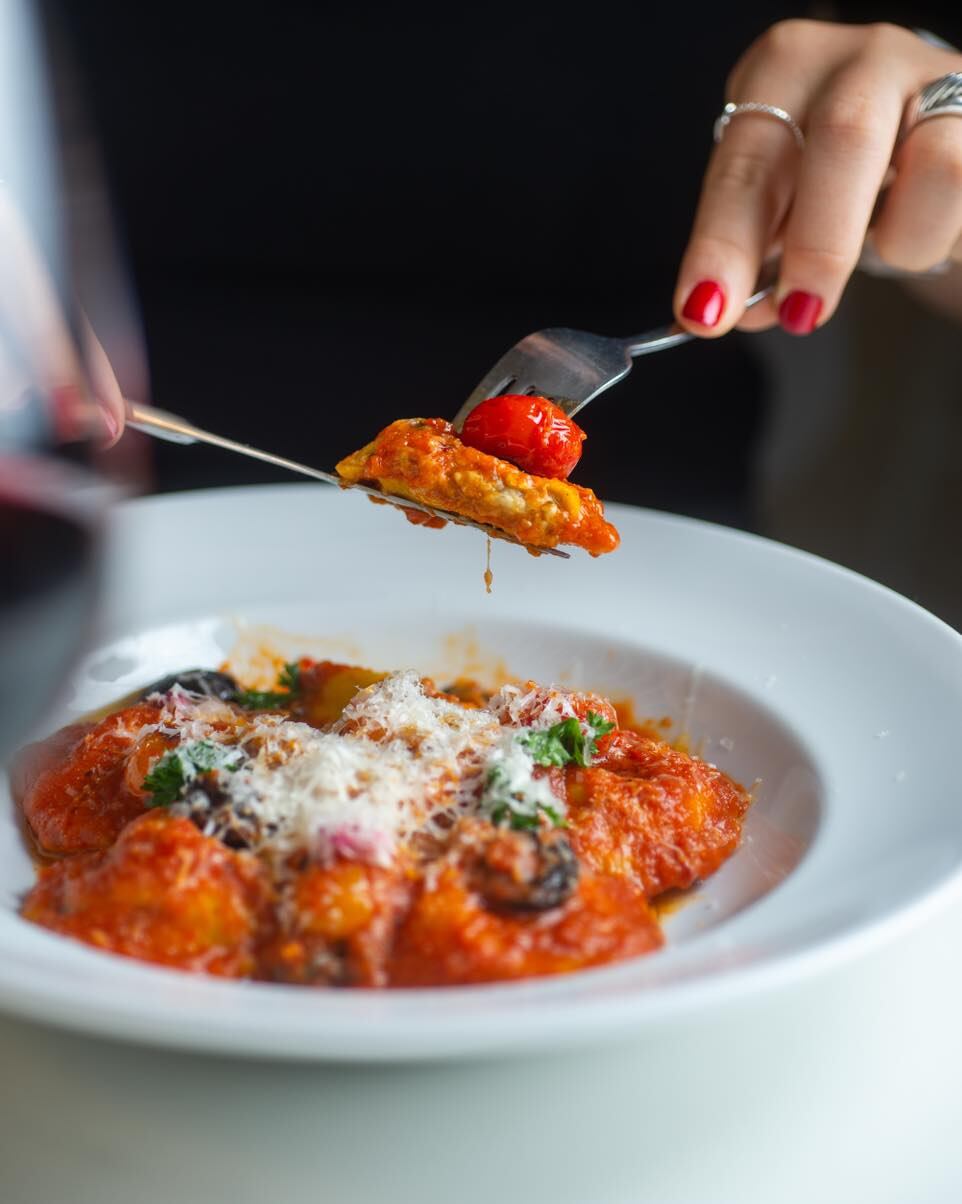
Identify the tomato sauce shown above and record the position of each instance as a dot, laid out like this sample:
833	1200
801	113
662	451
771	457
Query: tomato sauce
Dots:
84	802
477	902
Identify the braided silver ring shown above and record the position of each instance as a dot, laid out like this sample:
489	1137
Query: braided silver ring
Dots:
941	98
751	106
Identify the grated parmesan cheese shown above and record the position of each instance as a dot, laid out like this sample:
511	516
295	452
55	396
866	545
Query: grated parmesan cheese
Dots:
513	766
396	763
537	706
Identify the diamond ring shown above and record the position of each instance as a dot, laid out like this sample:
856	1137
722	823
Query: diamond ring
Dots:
751	106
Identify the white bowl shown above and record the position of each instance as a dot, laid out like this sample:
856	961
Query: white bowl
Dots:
839	698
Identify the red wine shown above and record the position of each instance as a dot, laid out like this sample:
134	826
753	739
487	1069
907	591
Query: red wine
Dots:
49	571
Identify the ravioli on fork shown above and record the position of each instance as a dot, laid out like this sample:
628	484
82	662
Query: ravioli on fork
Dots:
506	469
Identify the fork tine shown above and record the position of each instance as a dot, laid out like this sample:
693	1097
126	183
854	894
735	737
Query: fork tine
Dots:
511	374
568	366
499	380
571	367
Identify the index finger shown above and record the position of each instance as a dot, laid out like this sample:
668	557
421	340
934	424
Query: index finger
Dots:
746	192
103	382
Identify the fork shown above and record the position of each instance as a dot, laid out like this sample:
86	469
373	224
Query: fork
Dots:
162	424
571	367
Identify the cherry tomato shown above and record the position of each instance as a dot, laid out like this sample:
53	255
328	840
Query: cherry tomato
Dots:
531	432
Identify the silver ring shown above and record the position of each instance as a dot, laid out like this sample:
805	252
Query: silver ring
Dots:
941	98
751	106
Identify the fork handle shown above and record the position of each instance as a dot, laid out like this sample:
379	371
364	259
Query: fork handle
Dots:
673	335
164	425
869	262
161	424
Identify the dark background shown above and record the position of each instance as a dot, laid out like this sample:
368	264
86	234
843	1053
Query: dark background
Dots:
337	215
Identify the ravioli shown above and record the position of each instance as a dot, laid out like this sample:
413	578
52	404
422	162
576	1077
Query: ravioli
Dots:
352	828
423	460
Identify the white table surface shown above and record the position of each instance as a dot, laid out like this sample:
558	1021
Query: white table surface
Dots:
845	1088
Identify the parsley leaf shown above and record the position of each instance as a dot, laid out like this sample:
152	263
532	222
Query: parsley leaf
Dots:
180	766
261	700
522	821
166	780
289	679
557	745
598	726
206	756
567	741
515	810
517	820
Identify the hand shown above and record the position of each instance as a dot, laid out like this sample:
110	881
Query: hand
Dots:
104	387
847	87
32	318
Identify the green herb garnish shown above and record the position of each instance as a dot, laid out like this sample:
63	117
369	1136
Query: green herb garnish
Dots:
514	809
177	768
166	780
289	679
261	700
522	821
566	742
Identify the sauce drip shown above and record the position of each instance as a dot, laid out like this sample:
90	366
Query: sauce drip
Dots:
488	575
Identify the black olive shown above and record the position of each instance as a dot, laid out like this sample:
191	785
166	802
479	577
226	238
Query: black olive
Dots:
234	839
197	681
199	802
542	875
206	806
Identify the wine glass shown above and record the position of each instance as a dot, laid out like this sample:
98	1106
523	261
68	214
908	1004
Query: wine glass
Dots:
60	277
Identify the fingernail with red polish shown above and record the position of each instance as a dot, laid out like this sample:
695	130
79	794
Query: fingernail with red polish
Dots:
705	303
112	425
798	313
